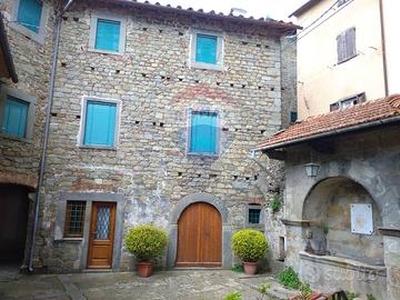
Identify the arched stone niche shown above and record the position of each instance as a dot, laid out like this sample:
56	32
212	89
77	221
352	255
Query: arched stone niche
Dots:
328	207
173	226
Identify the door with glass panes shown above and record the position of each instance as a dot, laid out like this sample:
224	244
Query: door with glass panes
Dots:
101	240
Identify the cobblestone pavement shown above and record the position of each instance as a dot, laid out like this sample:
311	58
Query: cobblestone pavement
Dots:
171	285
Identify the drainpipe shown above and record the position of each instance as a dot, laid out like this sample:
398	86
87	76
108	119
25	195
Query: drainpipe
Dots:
382	23
42	165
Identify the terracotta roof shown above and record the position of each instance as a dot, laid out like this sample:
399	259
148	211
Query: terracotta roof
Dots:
364	115
281	26
7	68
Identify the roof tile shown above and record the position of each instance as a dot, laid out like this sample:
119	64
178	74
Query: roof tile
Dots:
339	119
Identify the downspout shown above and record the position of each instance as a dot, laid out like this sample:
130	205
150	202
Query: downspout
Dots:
42	164
384	62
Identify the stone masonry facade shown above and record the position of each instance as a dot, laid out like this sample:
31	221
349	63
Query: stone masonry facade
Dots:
149	173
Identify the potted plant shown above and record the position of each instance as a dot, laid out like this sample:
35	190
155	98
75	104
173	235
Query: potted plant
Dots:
250	246
146	243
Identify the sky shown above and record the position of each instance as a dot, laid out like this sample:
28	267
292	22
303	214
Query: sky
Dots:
276	9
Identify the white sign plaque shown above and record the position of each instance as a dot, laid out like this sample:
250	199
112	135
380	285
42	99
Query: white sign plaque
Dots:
361	218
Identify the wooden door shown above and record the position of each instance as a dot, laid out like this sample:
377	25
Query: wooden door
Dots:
101	240
199	237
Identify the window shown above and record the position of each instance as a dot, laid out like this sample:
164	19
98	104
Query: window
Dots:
107	34
15	117
293	116
207	50
346	45
30	18
29	13
203	133
347	102
254	214
74	219
99	123
17	114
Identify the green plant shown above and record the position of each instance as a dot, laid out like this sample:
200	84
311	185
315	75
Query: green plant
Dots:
289	279
351	295
238	267
146	242
233	296
370	297
249	244
276	204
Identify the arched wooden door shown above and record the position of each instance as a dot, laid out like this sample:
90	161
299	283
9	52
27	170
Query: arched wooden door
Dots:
199	236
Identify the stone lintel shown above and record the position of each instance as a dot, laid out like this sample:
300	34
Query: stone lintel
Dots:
300	223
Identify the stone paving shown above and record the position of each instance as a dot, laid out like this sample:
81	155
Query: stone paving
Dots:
163	285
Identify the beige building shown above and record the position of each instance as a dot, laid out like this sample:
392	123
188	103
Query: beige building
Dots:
346	53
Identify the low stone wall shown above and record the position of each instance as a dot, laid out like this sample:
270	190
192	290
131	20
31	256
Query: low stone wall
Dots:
330	274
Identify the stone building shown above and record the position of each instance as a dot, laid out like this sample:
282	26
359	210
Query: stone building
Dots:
151	113
342	220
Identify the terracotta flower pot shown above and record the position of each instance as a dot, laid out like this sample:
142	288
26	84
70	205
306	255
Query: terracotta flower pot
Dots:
144	269
250	268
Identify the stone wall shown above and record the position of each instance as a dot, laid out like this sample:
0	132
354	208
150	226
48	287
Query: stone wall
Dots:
367	163
32	62
157	89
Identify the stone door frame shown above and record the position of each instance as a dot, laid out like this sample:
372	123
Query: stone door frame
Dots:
173	227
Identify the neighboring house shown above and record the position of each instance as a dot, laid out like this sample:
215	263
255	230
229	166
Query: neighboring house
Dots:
29	32
151	112
342	203
347	53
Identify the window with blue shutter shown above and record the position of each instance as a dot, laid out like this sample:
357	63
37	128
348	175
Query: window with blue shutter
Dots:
108	35
15	117
206	48
100	124
29	14
203	133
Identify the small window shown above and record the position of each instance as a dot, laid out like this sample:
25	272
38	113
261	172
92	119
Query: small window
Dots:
203	133
293	116
346	45
99	123
254	213
207	50
15	117
347	102
29	14
74	219
107	34
17	112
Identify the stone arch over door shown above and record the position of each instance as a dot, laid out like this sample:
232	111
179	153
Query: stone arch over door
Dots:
328	208
176	214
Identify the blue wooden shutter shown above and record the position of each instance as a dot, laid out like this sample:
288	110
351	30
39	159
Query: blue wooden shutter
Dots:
29	13
203	135
100	124
15	117
108	35
206	48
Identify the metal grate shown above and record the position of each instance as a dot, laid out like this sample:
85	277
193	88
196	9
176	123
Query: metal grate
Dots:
254	215
103	223
75	218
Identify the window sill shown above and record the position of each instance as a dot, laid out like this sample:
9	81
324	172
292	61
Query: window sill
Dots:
106	51
15	138
98	147
70	239
203	154
205	66
36	37
347	59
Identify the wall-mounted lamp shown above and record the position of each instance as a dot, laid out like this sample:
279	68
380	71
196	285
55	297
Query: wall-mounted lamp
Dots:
311	169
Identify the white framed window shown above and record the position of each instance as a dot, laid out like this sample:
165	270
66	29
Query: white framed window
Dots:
348	101
107	34
203	134
206	50
17	114
30	18
99	123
